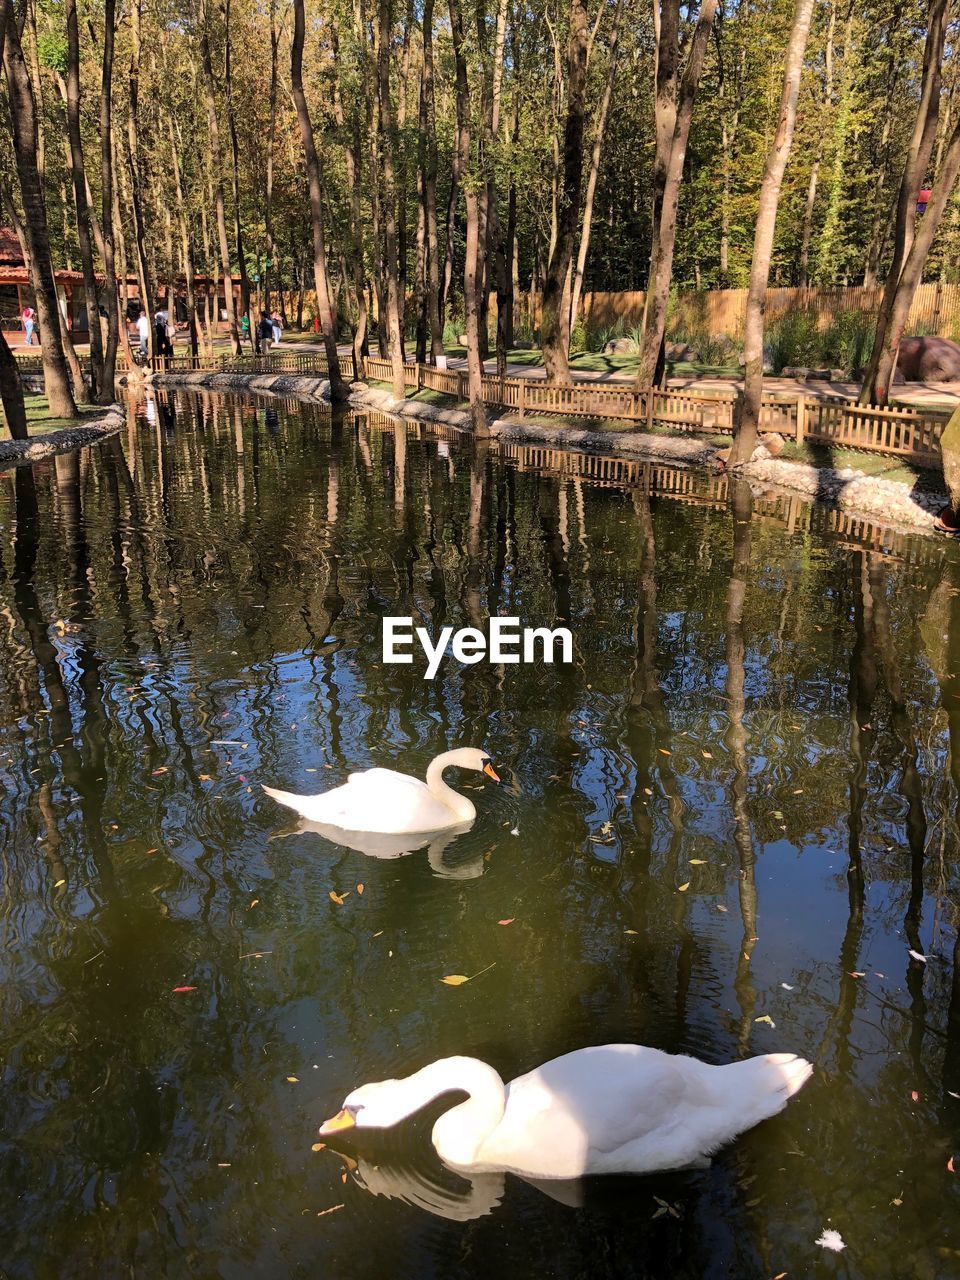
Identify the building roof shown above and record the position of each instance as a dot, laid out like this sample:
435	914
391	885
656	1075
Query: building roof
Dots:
10	252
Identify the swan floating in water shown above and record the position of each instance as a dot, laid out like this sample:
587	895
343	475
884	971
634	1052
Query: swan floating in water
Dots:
614	1108
390	803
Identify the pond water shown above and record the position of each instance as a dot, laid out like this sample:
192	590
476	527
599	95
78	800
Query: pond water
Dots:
722	830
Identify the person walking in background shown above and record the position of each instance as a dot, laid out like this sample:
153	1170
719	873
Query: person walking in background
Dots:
143	329
277	321
29	318
265	332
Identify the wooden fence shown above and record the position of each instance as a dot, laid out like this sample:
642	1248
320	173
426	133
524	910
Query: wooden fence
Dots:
832	421
902	432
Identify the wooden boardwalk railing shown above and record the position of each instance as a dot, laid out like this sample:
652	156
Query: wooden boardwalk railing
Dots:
832	421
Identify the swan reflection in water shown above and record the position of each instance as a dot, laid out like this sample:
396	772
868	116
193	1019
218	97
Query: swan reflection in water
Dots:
468	866
422	1180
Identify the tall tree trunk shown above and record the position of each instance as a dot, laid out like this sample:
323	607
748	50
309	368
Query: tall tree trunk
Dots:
235	174
555	314
136	177
593	175
883	359
107	381
478	414
355	278
216	162
674	143
271	143
914	170
806	231
186	236
78	174
24	127
748	410
389	194
11	392
430	192
328	321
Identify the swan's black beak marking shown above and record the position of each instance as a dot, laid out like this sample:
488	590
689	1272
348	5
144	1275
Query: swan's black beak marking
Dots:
490	772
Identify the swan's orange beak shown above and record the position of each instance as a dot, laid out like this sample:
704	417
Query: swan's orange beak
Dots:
490	772
342	1120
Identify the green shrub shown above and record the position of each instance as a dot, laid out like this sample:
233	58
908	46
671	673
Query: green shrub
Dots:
793	339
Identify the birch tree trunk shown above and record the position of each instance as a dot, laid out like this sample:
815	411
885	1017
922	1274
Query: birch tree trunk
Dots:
922	139
24	128
674	144
748	409
328	325
78	175
555	310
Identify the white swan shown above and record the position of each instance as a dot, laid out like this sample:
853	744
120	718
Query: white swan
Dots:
380	800
614	1108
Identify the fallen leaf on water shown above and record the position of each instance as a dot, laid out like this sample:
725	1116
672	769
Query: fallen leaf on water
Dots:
253	904
915	955
721	907
682	888
359	888
897	1200
781	1275
632	932
59	883
157	772
514	831
776	814
180	990
855	974
205	777
378	933
830	1239
647	791
334	1207
663	751
707	755
510	920
458	979
799	791
950	1168
698	862
343	1178
338	897
914	1096
223	1164
318	1146
765	1017
786	986
149	851
293	1079
606	828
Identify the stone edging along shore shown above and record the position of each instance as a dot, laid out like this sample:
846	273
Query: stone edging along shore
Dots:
887	501
77	436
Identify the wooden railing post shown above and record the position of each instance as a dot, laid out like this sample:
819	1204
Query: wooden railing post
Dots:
801	418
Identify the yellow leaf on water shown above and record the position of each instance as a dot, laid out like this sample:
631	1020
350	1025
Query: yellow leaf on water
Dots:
765	1017
359	888
682	888
59	883
698	862
663	751
293	1079
338	897
318	1146
632	932
706	755
455	979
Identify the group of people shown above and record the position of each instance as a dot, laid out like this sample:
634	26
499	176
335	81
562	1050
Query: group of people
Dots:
268	332
164	332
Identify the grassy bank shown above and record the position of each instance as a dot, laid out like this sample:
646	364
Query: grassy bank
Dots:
39	422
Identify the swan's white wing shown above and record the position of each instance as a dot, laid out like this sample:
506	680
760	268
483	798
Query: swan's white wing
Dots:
387	801
575	1114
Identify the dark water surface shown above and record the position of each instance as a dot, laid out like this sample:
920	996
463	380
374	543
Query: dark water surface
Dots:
723	829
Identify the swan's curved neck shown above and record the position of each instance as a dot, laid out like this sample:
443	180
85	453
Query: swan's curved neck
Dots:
460	1132
459	804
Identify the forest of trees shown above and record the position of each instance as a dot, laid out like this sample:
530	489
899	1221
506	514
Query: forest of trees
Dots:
407	173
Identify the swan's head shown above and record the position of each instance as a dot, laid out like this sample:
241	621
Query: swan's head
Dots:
471	758
371	1106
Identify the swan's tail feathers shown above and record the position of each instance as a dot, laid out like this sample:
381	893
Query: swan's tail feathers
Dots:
766	1083
285	797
